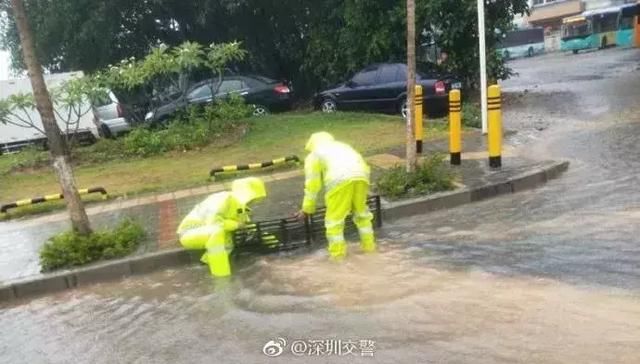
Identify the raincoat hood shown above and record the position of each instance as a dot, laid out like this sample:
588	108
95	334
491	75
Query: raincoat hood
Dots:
246	190
318	139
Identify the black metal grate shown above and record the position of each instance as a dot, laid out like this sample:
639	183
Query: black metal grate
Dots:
288	234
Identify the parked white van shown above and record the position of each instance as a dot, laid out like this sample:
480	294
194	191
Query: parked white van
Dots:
14	135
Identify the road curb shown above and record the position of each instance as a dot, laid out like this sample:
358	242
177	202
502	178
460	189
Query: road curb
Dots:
136	265
95	273
445	200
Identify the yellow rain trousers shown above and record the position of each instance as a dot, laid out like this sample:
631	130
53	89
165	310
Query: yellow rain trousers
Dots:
217	243
345	177
348	198
210	225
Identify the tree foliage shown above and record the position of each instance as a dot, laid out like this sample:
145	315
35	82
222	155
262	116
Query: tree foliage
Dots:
312	43
165	71
165	63
163	68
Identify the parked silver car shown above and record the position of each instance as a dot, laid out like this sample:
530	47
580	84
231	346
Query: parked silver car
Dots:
109	116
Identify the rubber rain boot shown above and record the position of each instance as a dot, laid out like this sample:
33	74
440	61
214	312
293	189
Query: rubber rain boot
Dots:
337	251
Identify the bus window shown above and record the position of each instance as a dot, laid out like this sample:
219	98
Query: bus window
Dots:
626	23
607	22
522	37
575	29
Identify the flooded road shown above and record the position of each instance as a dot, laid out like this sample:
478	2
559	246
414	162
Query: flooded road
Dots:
545	276
413	310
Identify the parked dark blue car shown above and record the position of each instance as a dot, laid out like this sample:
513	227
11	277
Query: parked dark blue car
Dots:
383	87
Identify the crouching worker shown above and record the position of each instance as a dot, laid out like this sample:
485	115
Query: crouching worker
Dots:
345	177
210	225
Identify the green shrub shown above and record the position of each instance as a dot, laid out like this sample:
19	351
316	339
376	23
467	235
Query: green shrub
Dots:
30	157
432	175
144	142
193	128
220	116
471	115
70	249
183	135
232	109
102	150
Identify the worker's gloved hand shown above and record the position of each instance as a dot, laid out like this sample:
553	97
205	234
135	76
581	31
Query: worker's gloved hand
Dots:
301	215
243	219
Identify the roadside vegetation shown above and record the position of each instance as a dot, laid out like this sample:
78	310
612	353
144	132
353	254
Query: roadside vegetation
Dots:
190	130
249	140
28	158
328	41
431	175
70	249
193	129
471	115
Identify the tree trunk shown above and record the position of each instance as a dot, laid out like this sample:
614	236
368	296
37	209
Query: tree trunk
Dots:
57	147
412	160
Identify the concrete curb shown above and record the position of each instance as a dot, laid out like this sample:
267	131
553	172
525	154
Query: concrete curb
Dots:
117	269
445	200
100	272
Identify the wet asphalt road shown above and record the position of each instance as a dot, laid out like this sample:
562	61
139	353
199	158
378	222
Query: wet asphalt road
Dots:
582	228
546	276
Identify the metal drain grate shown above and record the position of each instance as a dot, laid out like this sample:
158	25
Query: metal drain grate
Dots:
287	234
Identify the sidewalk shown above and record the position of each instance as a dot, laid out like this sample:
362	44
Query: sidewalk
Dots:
160	214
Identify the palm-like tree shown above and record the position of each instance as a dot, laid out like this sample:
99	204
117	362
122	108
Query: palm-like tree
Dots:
57	147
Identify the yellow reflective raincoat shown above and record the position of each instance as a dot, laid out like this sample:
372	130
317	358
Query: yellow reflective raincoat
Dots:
345	177
211	223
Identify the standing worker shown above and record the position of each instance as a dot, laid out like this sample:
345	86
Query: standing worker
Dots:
211	223
345	176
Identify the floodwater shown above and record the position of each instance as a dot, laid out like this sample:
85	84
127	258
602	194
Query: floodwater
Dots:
545	276
413	310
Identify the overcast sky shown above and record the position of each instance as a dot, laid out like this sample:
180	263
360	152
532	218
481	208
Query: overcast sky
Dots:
4	65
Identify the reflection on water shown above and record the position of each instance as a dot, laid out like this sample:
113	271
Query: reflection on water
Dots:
413	312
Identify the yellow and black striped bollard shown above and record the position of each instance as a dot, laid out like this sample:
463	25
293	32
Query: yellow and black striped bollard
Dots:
495	126
455	127
54	197
419	127
246	167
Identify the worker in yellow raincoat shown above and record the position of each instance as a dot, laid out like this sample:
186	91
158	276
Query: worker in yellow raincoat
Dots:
210	225
345	177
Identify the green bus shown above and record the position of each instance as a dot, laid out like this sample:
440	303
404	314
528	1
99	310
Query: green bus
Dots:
599	28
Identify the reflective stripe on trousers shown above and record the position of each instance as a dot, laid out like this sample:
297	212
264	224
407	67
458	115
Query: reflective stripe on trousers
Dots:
331	224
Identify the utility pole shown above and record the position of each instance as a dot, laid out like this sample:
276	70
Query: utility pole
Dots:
57	147
483	65
412	160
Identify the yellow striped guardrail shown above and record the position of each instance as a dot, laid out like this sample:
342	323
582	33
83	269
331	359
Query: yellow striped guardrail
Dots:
246	167
55	197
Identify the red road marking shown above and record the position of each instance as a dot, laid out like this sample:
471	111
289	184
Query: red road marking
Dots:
168	221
